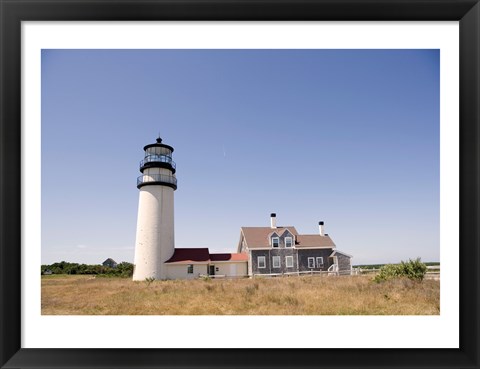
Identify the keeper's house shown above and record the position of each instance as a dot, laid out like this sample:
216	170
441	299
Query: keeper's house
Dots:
281	250
274	250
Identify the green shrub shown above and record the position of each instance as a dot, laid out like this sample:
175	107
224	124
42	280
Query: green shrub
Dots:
388	271
123	269
413	269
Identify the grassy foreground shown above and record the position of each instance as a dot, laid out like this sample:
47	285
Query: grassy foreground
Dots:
347	295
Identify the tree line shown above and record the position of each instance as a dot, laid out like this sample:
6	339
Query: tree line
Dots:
124	269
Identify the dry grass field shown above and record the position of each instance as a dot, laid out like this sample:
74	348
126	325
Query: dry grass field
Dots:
309	295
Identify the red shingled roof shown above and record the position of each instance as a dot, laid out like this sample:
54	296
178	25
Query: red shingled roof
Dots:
228	257
202	255
193	255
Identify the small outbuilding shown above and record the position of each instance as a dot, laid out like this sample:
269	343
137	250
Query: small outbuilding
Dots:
110	263
189	263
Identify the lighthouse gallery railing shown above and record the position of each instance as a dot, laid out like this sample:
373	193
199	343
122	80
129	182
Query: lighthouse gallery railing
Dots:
160	178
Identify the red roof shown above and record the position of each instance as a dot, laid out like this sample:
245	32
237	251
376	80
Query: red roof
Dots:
202	255
193	255
228	257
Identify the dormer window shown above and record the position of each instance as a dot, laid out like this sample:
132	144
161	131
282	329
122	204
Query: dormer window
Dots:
275	241
288	242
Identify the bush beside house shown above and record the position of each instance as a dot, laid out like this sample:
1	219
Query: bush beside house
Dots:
413	269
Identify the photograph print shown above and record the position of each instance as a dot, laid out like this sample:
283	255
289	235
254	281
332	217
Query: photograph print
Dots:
240	182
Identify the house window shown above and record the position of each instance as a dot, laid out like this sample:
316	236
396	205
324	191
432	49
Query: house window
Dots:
190	269
275	241
311	262
288	242
319	262
261	262
289	261
276	261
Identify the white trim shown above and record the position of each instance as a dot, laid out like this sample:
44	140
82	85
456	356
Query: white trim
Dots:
289	257
286	230
278	239
341	252
264	262
270	235
241	244
250	263
291	239
242	239
316	259
335	261
313	262
276	257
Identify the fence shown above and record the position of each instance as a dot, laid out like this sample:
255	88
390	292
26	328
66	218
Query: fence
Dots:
433	272
317	273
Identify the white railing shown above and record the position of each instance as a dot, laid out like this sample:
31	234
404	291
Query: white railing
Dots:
306	273
333	268
433	272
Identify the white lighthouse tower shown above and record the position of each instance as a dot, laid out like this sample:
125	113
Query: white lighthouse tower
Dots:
155	241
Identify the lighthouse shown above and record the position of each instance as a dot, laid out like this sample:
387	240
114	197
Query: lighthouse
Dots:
155	241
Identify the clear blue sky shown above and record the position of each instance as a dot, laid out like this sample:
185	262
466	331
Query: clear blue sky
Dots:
350	137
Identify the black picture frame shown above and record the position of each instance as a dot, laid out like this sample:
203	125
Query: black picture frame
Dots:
13	12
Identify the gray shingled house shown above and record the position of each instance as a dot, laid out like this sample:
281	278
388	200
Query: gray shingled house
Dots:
281	250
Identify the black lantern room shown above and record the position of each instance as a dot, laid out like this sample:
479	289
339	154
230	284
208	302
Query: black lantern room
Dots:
158	156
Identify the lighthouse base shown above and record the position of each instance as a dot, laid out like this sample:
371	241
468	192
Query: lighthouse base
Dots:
155	241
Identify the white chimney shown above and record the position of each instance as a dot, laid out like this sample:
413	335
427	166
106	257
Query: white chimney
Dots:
273	220
320	228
